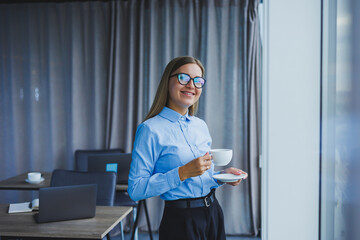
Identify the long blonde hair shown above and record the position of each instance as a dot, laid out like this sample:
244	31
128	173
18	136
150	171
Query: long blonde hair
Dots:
161	96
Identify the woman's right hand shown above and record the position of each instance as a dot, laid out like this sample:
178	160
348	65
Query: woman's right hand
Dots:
195	168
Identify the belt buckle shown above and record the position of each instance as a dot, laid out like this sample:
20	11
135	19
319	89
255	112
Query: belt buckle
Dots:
207	201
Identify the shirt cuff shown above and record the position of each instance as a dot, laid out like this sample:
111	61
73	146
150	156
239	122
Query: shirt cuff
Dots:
173	178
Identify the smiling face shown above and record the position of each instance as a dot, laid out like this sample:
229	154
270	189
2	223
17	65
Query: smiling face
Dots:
181	97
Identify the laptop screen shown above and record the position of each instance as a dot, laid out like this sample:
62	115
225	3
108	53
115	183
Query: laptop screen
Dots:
117	162
67	203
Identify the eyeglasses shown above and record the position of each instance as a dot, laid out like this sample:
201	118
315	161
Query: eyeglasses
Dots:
184	79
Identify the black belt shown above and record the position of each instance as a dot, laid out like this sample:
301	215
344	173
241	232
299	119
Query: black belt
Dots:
192	202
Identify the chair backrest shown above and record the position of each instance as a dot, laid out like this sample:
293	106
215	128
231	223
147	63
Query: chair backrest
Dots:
81	156
106	183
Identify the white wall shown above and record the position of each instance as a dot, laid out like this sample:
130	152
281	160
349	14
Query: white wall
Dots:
291	119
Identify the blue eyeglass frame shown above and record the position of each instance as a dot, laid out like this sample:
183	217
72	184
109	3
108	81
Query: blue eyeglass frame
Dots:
190	78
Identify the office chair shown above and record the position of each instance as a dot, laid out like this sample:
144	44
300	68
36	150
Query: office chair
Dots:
121	196
106	182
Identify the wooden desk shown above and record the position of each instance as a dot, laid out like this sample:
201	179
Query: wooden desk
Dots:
24	224
18	183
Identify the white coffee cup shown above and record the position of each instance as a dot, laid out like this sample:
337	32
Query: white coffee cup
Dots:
221	157
34	176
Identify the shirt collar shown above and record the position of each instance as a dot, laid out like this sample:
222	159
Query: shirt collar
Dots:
172	115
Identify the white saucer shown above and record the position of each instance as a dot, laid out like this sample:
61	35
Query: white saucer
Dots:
228	177
34	182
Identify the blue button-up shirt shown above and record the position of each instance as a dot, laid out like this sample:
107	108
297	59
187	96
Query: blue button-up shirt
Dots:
163	144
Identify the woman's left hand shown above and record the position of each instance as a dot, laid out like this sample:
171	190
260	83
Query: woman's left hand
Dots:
235	171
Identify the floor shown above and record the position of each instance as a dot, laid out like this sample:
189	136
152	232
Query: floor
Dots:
145	236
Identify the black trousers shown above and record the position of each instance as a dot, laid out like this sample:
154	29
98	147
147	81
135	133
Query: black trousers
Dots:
202	223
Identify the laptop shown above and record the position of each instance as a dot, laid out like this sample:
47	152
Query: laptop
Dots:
66	203
116	162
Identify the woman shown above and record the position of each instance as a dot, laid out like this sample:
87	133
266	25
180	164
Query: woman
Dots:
171	157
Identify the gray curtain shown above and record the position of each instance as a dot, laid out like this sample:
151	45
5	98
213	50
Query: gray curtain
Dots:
351	139
82	75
